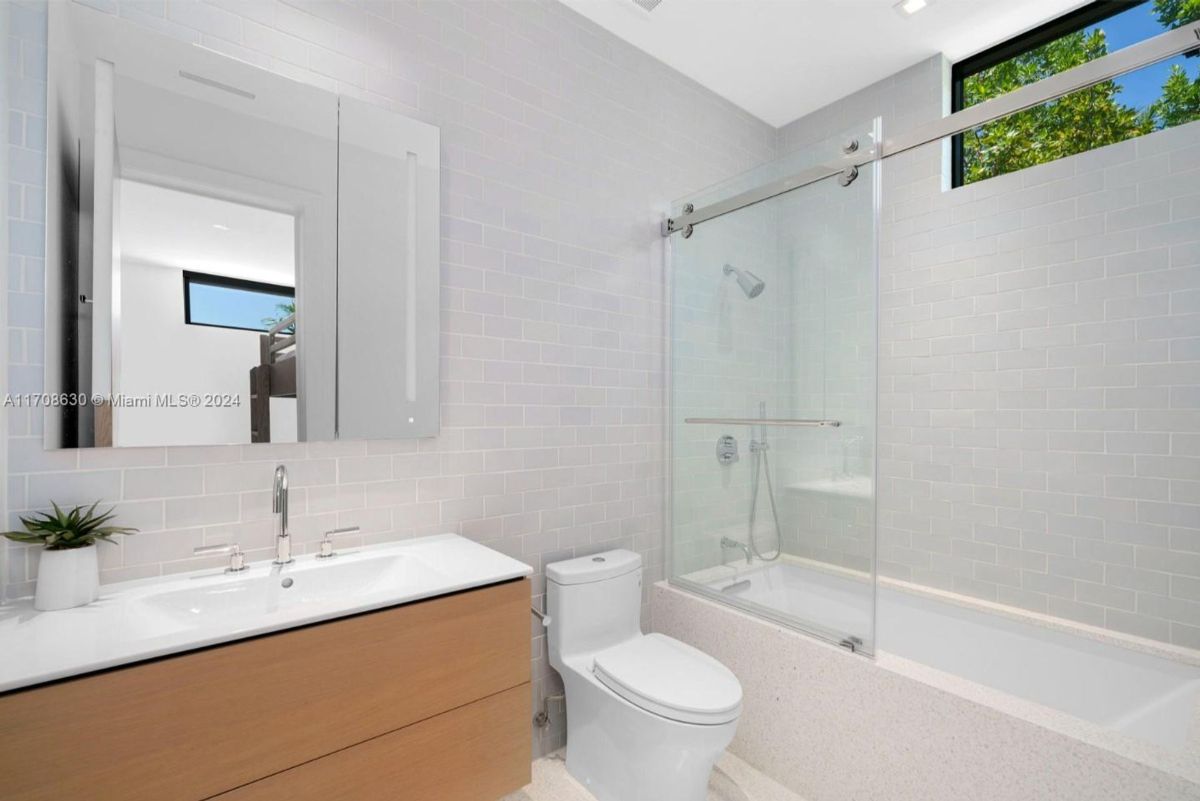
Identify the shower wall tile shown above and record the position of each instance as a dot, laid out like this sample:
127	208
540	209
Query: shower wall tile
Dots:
561	146
1039	374
724	364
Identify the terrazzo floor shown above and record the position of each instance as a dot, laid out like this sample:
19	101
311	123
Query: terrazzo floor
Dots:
732	780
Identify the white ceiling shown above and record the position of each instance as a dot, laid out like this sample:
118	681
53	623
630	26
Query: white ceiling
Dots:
781	59
193	232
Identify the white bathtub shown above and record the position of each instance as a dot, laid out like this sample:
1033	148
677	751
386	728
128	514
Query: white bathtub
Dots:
1137	693
964	701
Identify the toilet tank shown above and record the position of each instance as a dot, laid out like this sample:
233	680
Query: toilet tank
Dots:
593	602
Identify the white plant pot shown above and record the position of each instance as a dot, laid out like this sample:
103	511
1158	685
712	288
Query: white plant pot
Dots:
67	578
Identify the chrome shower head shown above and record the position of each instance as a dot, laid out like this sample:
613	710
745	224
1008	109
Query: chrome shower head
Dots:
750	283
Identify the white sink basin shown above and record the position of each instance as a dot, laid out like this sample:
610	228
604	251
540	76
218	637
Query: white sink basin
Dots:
148	618
267	592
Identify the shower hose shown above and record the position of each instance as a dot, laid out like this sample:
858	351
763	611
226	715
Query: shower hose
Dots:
762	466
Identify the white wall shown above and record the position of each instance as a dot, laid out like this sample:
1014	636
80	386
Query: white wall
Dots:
161	355
559	145
1040	375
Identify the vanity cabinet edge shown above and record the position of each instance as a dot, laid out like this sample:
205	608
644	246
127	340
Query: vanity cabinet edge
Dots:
192	726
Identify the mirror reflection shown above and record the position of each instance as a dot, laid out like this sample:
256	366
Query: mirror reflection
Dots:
208	308
195	215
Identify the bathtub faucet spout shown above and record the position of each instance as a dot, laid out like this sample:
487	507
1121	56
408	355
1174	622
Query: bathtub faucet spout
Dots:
726	542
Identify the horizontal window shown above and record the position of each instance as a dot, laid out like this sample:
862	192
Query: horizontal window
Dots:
1159	96
223	302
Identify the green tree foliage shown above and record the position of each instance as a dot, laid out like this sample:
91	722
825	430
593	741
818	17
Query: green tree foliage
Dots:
1176	13
1180	101
1078	122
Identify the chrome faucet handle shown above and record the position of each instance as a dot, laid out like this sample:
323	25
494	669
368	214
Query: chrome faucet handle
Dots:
327	540
237	560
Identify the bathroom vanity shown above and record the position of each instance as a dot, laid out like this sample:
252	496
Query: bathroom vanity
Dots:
393	672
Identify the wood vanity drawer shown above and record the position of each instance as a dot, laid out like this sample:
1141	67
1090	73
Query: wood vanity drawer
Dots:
192	726
477	752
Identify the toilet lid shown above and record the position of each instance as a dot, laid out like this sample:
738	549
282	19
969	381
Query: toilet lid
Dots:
671	679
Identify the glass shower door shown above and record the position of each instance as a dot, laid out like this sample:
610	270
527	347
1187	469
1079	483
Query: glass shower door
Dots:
773	397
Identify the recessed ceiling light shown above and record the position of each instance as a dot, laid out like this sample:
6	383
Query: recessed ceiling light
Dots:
910	7
220	227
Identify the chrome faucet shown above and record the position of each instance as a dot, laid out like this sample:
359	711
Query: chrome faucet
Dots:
726	542
279	505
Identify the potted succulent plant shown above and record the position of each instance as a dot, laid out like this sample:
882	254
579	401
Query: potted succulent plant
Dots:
68	570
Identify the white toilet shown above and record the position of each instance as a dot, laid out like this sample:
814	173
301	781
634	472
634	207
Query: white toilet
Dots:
647	715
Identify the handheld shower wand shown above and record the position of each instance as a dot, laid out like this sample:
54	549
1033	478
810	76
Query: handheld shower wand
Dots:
762	466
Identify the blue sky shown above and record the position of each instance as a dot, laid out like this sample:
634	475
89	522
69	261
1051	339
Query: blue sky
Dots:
239	308
1139	89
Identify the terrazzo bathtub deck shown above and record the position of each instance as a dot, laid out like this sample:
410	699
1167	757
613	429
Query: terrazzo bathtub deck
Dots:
836	726
732	780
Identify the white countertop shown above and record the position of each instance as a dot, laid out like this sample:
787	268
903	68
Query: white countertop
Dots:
147	618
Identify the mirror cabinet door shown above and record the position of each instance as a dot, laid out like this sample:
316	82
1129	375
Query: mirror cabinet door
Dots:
189	293
199	290
388	267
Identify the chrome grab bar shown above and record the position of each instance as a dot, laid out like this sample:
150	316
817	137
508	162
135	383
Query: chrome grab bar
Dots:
757	421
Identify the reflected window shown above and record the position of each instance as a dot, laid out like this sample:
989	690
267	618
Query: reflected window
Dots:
223	302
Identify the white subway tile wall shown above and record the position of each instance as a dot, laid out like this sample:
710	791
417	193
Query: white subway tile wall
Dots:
561	146
1040	373
803	348
725	358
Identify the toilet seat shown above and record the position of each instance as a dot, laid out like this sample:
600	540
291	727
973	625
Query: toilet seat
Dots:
671	679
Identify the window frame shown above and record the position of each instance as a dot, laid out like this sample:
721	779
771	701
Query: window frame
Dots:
228	282
1072	21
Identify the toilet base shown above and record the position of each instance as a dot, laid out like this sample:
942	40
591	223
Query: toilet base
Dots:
621	752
